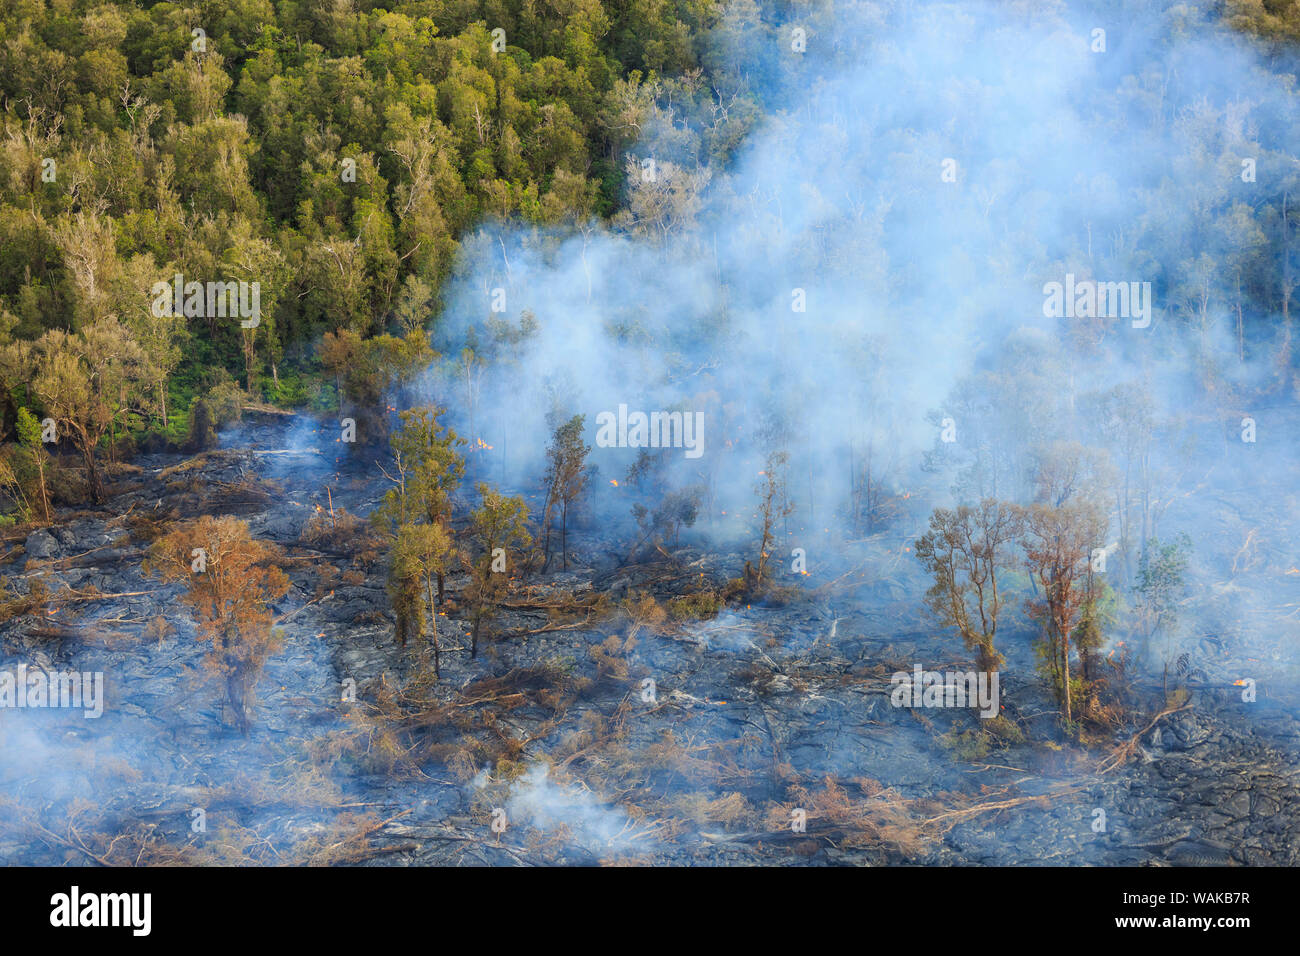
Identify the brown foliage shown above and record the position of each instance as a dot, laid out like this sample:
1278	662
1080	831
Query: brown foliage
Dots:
232	580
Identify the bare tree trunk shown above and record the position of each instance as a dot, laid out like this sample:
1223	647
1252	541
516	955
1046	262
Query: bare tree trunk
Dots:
236	692
40	474
1284	353
547	515
97	493
433	624
1065	675
1241	345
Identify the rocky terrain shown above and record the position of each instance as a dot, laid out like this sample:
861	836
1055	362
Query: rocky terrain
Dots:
753	713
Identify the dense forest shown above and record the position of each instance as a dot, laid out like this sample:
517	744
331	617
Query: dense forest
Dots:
335	153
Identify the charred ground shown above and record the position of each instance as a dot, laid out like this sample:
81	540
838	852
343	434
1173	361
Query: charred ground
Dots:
757	709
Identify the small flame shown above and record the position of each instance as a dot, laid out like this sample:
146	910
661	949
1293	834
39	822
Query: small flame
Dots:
614	482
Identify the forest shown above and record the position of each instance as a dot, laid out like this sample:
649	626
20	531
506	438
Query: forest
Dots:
958	342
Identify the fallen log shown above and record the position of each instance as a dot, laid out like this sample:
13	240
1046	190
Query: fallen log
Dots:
287	451
561	627
59	599
1121	754
260	408
292	614
65	564
359	856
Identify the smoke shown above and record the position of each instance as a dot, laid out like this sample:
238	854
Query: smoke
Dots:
539	802
874	264
727	632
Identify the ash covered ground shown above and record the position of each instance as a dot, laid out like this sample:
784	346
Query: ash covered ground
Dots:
757	710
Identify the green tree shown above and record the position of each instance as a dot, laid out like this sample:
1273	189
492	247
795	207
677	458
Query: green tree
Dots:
425	452
89	383
1161	582
1058	545
567	476
416	514
963	551
498	524
367	371
421	553
29	439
